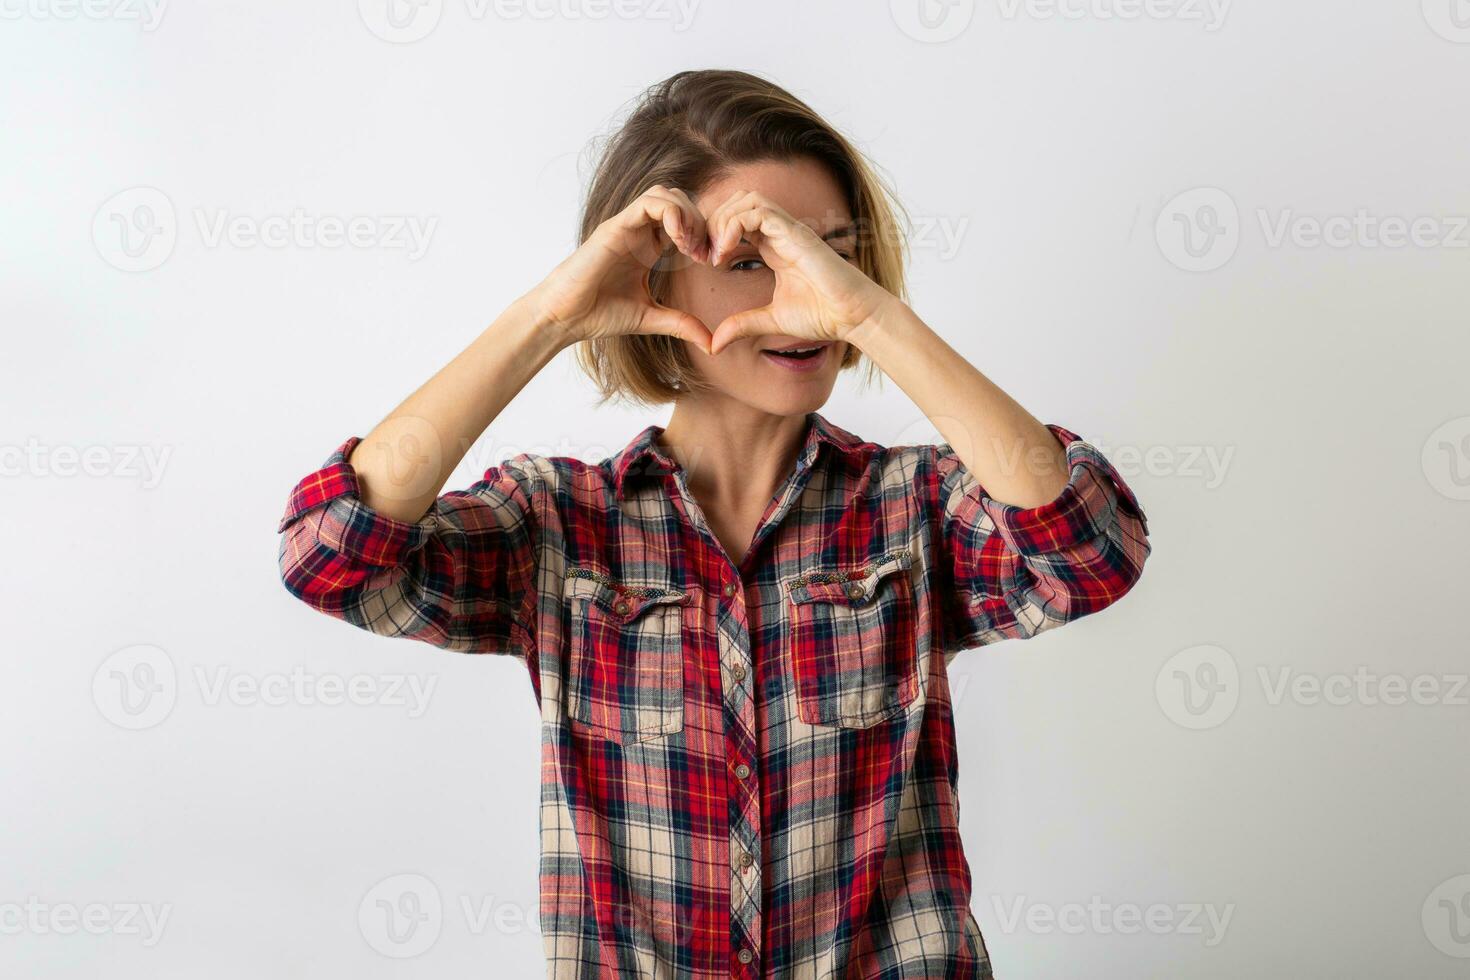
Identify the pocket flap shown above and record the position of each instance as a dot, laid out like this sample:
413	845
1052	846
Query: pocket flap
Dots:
621	600
850	587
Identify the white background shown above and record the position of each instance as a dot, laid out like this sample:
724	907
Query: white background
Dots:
1327	541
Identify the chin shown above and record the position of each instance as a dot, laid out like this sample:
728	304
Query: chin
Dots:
775	389
788	400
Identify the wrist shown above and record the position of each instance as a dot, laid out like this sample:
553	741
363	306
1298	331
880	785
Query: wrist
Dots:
524	326
530	319
867	333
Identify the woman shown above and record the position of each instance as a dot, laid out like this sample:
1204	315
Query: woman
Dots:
737	627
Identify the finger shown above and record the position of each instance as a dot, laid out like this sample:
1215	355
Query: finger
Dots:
673	227
640	223
747	323
749	224
695	229
676	323
775	232
767	227
718	218
687	229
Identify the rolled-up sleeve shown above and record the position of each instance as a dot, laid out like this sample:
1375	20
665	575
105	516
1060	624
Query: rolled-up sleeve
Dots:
1017	571
461	578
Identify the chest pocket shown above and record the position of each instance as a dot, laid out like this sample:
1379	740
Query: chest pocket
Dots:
625	671
852	642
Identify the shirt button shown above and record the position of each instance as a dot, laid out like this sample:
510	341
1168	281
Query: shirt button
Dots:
738	671
745	956
745	859
729	589
742	770
620	607
854	590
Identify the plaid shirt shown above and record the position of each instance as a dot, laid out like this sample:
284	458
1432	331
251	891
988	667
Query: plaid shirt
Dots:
746	771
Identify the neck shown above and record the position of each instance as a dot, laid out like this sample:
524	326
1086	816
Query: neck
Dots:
730	450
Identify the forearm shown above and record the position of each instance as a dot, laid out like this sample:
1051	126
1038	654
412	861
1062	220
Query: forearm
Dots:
404	462
1012	454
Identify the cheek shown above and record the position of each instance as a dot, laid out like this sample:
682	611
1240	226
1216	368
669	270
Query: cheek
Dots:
713	295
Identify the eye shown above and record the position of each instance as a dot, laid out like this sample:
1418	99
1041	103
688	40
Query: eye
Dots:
736	265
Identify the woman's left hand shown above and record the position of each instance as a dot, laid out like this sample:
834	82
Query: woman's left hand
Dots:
819	295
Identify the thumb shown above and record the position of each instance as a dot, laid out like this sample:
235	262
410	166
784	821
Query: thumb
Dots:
747	323
676	323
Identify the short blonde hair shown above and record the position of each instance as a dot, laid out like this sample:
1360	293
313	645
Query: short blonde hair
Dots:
688	131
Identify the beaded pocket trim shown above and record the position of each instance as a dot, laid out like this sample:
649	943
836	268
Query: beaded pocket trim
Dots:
636	591
813	578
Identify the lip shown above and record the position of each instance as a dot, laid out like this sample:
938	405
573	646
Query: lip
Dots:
807	366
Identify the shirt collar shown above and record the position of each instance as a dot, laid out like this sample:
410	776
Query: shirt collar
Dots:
644	457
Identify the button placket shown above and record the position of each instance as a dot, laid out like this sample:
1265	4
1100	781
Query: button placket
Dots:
735	651
734	665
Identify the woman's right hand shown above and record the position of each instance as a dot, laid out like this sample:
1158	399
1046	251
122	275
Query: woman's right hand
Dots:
601	289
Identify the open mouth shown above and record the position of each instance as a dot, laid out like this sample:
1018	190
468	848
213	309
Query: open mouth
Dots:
798	353
801	356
